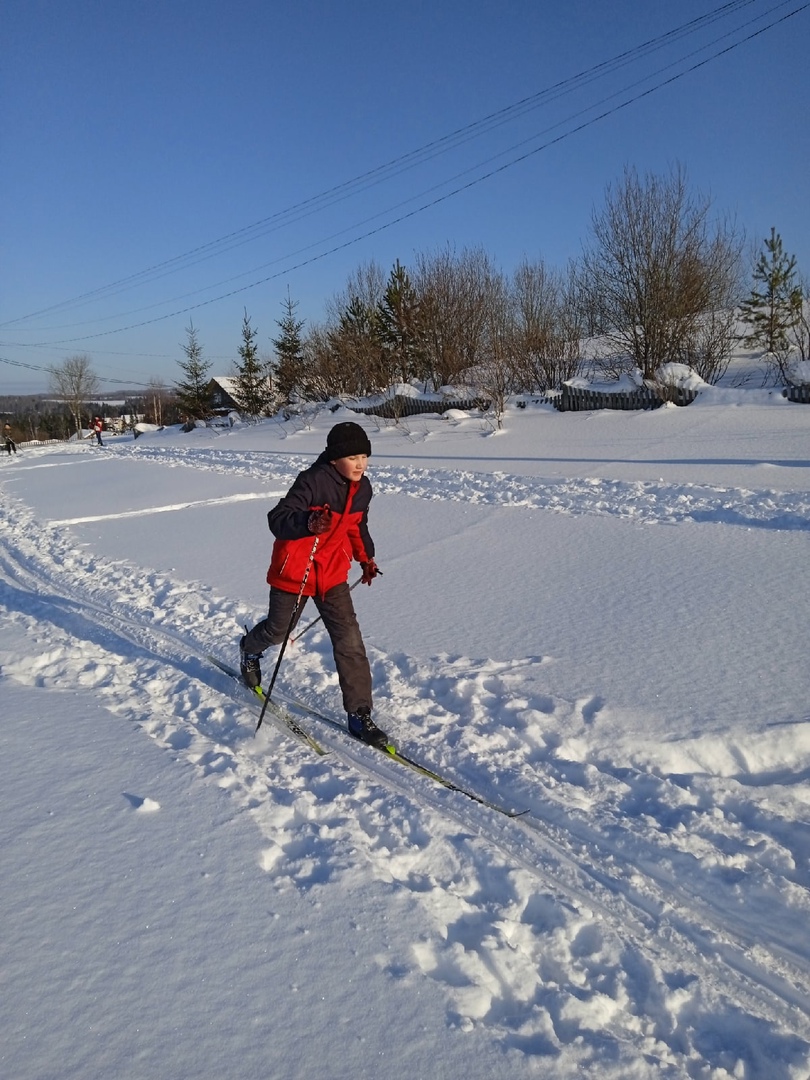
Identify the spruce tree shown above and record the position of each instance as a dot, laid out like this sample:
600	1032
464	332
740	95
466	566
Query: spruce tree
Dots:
398	324
289	366
253	392
357	345
775	303
192	393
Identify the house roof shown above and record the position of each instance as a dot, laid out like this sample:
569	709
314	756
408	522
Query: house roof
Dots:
226	382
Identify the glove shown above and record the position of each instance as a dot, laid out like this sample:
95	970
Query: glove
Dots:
370	571
320	521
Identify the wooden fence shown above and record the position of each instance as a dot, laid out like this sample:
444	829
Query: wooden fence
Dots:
400	405
583	399
797	393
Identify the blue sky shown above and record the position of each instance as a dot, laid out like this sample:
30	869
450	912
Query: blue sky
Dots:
135	133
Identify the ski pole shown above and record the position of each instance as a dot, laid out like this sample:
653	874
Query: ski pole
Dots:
315	622
289	630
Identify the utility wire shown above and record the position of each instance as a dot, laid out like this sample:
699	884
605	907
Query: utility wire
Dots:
395	167
452	193
397	206
38	367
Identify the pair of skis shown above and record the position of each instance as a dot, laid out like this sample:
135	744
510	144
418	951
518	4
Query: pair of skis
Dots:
288	721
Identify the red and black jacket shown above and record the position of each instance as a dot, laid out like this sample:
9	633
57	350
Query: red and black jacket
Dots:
316	487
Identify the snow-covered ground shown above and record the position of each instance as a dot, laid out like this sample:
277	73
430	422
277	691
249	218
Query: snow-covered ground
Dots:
599	618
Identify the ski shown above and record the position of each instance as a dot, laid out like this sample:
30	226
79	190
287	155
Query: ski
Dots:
391	751
279	712
285	717
445	782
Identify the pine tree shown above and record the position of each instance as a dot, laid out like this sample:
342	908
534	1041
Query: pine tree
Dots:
253	391
289	367
775	303
398	324
192	393
358	348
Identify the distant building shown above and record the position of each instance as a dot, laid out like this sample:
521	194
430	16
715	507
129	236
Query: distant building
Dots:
221	391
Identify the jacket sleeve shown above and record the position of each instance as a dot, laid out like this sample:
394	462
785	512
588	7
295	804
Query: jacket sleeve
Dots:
288	518
365	539
360	537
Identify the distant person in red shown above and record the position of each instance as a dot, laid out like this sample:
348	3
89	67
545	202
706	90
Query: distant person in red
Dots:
97	428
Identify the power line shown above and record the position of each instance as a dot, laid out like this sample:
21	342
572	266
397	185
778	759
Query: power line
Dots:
397	206
456	190
392	168
49	370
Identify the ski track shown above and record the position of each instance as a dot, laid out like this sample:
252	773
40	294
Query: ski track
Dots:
608	917
640	501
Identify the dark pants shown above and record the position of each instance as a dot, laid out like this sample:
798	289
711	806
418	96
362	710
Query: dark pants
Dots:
11	446
337	610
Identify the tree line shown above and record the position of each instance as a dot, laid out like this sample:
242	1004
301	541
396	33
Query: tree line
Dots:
75	398
660	279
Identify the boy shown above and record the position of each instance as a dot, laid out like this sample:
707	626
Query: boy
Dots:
319	525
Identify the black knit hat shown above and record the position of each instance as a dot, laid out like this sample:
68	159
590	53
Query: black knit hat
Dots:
346	440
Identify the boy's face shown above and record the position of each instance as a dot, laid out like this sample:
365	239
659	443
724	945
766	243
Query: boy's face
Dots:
352	468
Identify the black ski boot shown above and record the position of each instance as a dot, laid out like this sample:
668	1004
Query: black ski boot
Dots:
363	728
250	667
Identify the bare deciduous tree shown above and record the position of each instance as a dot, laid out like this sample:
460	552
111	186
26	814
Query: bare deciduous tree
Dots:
323	373
357	346
452	290
158	400
495	372
352	337
366	284
708	346
548	332
75	383
656	266
800	333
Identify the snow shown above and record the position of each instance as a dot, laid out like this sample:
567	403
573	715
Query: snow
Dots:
599	618
680	375
799	371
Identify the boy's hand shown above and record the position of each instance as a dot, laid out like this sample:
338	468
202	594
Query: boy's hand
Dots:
320	521
370	571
